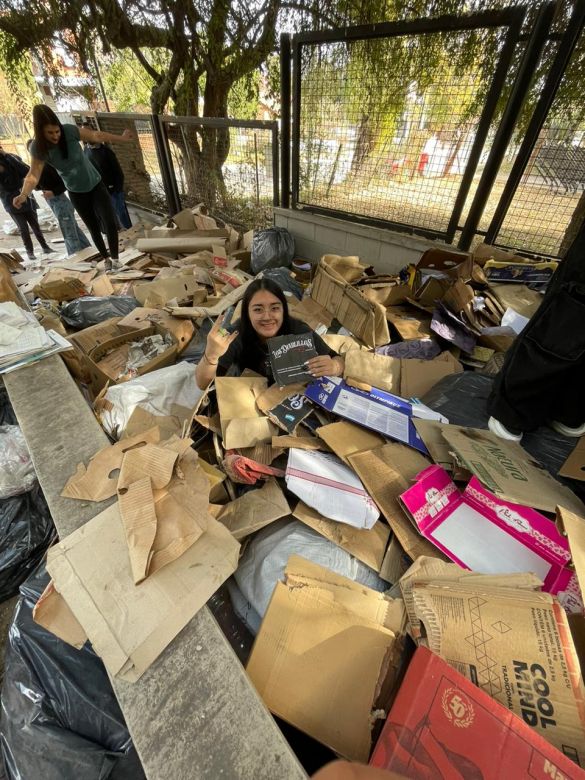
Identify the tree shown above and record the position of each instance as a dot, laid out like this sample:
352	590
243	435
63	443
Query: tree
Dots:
210	46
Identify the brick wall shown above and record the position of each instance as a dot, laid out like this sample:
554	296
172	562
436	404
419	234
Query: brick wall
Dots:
142	182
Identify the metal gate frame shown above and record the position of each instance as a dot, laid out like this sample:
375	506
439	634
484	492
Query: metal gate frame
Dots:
536	39
196	121
567	44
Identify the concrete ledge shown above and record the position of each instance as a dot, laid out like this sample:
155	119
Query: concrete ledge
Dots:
194	714
386	250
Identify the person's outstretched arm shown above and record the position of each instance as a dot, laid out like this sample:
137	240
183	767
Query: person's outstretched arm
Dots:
100	137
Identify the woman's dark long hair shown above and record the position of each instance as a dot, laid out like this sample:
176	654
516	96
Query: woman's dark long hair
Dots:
43	116
251	341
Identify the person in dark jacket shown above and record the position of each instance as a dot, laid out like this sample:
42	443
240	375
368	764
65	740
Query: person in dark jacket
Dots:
104	159
542	379
53	188
12	173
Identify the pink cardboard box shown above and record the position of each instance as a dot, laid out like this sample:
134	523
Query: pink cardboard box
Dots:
483	533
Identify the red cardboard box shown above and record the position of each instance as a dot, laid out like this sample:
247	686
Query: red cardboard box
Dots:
442	727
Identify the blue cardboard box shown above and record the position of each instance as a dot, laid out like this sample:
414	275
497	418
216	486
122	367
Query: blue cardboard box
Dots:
382	412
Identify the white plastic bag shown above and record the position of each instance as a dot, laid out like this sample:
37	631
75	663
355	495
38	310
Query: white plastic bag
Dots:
17	473
159	393
10	228
263	563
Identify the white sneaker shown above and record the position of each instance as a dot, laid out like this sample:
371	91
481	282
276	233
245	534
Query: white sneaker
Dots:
501	431
565	430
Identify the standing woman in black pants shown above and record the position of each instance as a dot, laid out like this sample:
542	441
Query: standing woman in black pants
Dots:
59	145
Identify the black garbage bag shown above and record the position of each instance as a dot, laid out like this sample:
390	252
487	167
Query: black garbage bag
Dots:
26	531
60	718
462	399
7	416
285	280
272	248
83	312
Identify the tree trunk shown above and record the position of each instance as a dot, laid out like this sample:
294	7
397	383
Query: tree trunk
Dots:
204	150
577	219
364	144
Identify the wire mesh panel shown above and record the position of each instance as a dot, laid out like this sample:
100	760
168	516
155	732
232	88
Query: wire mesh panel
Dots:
143	180
228	165
550	200
388	126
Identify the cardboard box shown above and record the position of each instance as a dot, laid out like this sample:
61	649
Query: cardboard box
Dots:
516	646
377	410
141	318
158	293
114	350
327	654
442	727
486	534
84	341
332	289
508	470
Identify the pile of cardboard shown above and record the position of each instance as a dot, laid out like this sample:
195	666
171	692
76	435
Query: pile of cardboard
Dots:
481	549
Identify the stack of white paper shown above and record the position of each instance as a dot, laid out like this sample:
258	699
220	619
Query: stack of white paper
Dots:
23	340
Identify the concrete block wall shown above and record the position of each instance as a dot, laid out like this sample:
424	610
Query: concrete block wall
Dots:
386	250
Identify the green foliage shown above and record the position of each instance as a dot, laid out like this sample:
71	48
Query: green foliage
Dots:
127	83
243	98
21	92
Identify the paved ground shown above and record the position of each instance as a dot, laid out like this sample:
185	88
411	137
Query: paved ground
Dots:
54	237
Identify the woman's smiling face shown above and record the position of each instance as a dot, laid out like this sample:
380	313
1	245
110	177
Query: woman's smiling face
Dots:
266	314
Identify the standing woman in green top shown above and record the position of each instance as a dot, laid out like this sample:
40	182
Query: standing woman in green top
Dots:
59	146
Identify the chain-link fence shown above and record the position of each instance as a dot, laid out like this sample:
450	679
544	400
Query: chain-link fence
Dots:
550	198
230	166
417	126
391	125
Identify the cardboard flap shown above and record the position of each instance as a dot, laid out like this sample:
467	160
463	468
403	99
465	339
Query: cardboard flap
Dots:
420	376
345	439
310	634
130	626
368	547
372	369
242	424
573	526
51	612
100	479
574	466
156	463
136	503
386	472
254	510
508	470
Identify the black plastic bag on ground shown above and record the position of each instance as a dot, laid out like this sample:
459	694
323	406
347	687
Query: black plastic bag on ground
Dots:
26	531
462	399
272	248
7	416
60	718
83	312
